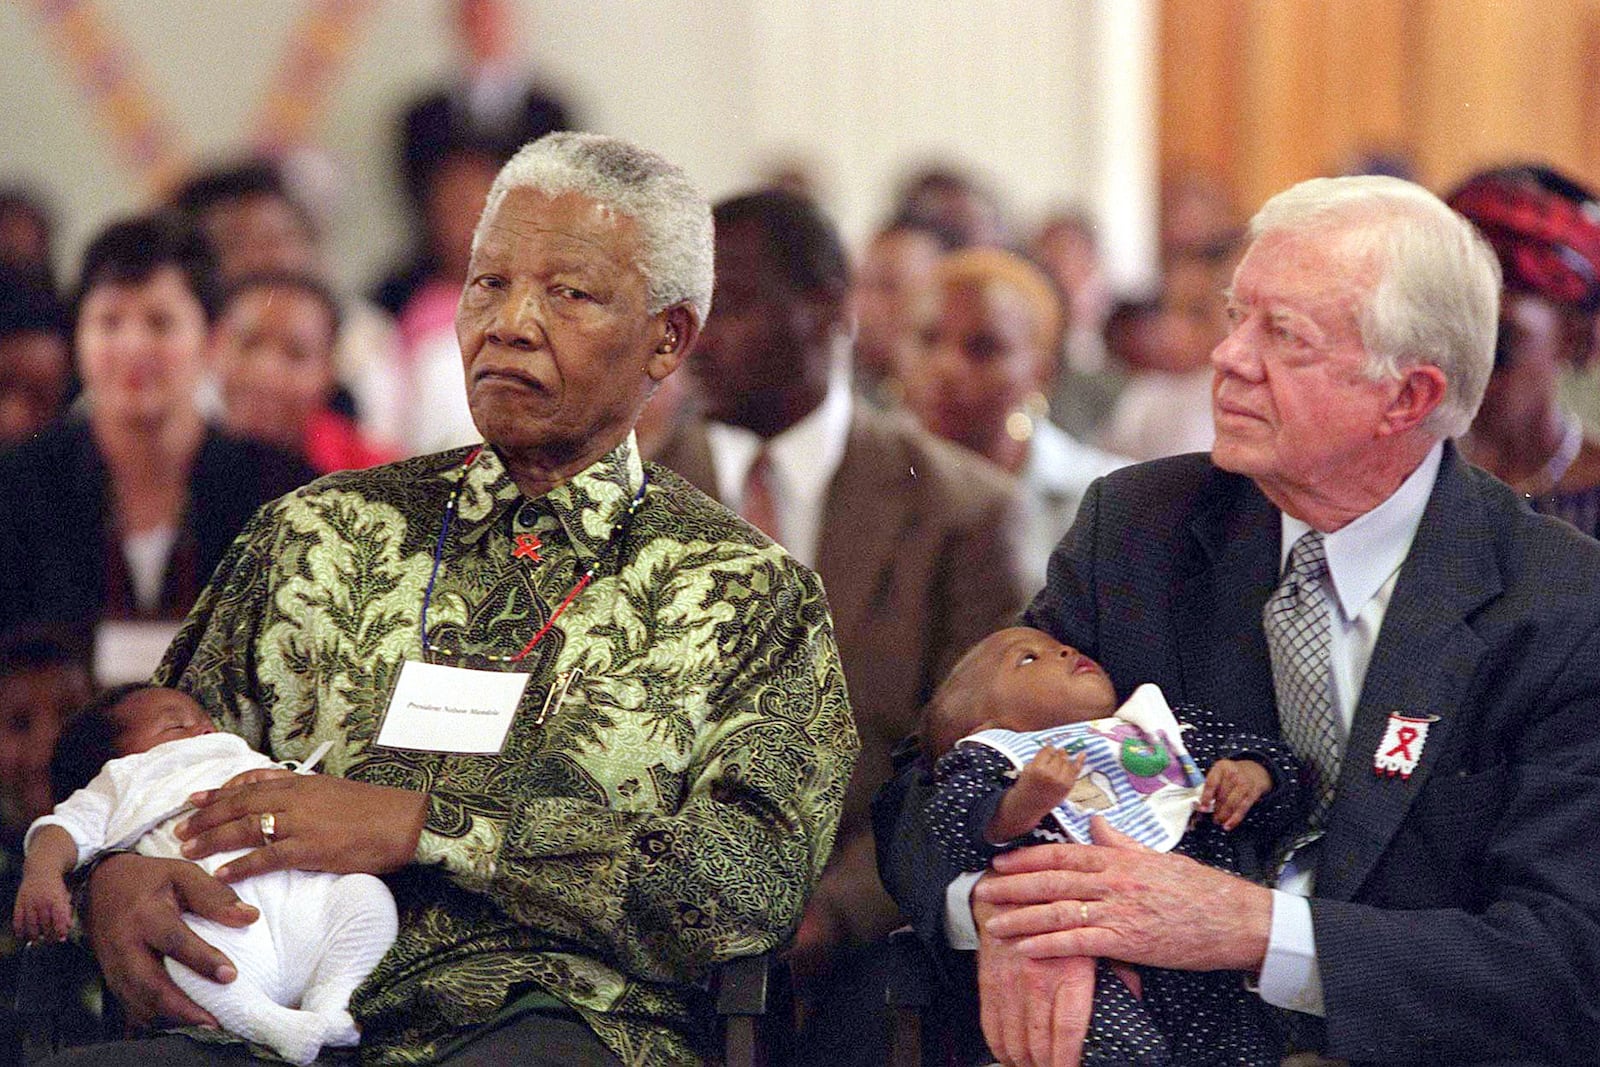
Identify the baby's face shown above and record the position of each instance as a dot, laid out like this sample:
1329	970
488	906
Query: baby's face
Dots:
1037	682
152	717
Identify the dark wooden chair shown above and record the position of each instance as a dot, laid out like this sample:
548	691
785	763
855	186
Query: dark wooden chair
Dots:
908	994
930	1025
755	1004
753	997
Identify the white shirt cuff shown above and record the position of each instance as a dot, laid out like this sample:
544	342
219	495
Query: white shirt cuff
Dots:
960	929
1289	975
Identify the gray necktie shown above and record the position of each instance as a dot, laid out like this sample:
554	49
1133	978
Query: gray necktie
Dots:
1298	628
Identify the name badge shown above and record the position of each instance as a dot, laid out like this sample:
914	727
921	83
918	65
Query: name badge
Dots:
451	709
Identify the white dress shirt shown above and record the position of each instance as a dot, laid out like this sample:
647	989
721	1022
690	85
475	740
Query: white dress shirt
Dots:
1364	559
1161	413
1057	473
803	461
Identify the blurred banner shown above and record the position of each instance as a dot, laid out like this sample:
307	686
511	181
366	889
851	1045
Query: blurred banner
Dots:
108	76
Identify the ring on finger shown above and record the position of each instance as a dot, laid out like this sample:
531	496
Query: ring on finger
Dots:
1083	912
269	828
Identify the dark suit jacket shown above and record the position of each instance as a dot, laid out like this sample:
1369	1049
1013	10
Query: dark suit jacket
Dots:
914	554
55	526
1457	913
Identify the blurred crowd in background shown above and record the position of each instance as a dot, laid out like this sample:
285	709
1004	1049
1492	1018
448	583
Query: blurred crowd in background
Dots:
201	360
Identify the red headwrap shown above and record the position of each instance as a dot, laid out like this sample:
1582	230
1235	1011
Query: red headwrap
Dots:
1548	241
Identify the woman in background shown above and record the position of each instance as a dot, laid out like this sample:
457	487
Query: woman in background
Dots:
988	362
275	368
1545	230
122	509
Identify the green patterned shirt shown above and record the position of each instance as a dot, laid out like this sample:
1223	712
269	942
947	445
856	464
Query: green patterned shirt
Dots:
672	813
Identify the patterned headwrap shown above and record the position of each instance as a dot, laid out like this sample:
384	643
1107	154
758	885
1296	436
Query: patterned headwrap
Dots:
1545	229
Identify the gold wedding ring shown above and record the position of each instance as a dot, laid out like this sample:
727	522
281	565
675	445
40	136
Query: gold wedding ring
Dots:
1083	906
269	828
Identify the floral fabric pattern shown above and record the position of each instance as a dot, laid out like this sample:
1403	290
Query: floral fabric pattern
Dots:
674	811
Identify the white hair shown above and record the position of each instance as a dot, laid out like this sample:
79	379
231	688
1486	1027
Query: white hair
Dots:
674	217
1435	293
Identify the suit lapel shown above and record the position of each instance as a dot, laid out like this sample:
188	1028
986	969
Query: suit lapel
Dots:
868	507
1219	589
1424	660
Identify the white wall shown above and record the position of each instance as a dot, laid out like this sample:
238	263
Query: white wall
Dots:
1051	100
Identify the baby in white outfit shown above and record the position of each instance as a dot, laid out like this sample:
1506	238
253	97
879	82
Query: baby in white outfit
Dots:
319	934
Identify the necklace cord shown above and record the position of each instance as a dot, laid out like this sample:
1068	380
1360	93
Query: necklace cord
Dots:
626	521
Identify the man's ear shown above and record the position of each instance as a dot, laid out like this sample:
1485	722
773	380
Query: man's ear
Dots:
1422	389
677	329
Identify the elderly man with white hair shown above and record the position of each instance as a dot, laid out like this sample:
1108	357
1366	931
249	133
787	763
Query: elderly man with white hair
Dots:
1334	571
590	726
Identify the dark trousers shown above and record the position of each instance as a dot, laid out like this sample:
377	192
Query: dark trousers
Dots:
533	1040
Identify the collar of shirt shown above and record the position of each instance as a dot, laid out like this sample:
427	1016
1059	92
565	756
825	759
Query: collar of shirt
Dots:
588	505
1365	553
804	458
1060	464
493	93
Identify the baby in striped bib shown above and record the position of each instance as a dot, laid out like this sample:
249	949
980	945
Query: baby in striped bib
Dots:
1027	742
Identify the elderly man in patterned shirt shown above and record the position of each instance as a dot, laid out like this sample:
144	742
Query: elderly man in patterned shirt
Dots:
589	725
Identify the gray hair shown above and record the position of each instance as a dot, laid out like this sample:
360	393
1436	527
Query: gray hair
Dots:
674	216
1435	296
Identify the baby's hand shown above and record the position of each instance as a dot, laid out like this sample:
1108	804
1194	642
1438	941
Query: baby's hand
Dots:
1041	785
1232	788
1051	773
43	910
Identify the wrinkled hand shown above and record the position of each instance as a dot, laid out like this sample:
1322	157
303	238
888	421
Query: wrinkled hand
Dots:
323	823
1232	788
1154	908
43	911
135	904
1035	1012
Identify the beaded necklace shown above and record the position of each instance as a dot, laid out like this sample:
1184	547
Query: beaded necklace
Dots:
588	575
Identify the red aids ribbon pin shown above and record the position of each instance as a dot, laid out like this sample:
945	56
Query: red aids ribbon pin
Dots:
1401	747
528	546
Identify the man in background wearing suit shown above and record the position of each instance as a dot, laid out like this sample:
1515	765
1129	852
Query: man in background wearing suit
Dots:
1429	646
911	536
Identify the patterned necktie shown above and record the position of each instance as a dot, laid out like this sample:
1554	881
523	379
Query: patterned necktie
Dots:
759	506
1298	637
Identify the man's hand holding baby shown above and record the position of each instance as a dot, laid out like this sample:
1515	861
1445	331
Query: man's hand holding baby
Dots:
323	823
1042	785
134	918
1232	788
